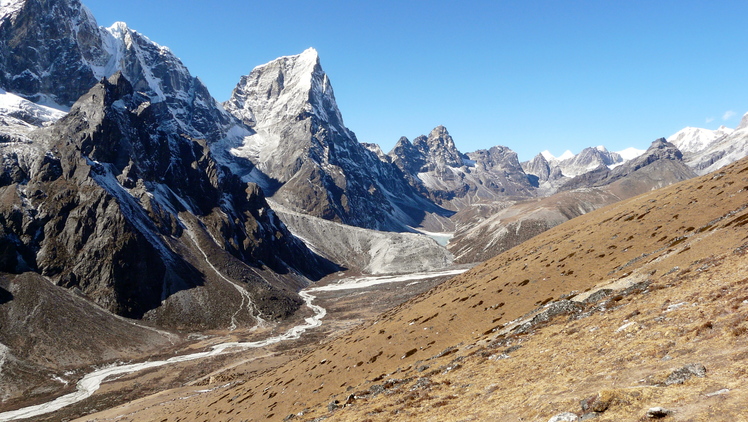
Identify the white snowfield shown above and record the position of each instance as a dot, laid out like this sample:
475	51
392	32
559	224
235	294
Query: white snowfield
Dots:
91	382
706	150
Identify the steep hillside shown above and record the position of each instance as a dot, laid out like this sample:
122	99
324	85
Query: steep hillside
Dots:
640	304
479	240
139	217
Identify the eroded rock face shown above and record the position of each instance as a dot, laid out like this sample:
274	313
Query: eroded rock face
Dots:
117	200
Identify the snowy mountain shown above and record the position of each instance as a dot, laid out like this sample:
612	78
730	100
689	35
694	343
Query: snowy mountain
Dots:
58	52
661	165
708	150
549	172
305	157
19	116
127	190
589	159
692	139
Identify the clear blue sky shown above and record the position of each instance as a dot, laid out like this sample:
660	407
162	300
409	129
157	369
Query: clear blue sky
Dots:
531	75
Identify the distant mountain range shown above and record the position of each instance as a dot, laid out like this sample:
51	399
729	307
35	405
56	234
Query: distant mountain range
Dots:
124	182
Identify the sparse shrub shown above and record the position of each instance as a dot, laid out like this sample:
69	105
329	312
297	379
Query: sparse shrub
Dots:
739	330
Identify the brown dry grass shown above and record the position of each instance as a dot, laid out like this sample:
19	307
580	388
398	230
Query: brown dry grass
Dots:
448	355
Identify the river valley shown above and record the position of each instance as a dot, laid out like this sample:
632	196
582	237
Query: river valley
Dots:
217	360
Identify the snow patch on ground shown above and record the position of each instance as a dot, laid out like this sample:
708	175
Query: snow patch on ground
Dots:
440	238
363	282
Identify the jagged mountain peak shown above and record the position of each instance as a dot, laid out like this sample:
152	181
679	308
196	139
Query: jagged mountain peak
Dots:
439	131
307	160
289	87
439	148
552	158
52	52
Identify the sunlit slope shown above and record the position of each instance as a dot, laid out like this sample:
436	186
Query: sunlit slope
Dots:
668	273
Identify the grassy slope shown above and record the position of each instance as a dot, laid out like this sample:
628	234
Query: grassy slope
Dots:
446	355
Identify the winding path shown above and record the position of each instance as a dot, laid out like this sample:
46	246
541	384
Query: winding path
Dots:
91	382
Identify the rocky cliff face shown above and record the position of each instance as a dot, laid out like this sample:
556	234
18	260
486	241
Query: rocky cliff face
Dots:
307	159
538	170
46	50
433	165
120	204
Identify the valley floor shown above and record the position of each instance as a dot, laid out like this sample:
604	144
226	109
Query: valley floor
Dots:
348	300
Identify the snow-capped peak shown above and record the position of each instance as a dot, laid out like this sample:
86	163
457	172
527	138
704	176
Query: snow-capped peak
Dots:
118	29
693	139
285	89
309	56
566	155
551	158
548	156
